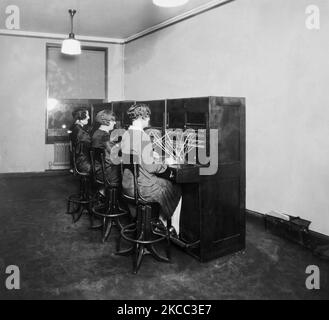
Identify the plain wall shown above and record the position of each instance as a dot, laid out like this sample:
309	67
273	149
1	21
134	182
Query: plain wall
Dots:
261	50
23	100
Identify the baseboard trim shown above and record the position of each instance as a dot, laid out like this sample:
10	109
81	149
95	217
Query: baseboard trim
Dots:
316	237
254	214
46	173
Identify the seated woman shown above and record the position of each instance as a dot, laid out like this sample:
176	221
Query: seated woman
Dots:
103	139
151	187
81	140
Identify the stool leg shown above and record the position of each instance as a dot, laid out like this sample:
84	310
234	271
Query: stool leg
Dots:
135	251
108	229
68	208
168	253
91	215
156	254
139	258
93	226
118	244
135	256
79	215
105	224
85	192
118	223
138	248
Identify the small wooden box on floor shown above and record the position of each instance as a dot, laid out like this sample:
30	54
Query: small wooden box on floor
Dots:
213	206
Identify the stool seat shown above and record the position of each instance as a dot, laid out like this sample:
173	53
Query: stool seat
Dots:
106	183
83	174
113	185
131	200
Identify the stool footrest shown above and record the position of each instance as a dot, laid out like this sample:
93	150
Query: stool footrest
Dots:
108	214
133	225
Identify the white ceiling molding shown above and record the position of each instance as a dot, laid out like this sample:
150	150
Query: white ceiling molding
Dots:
54	36
208	6
196	11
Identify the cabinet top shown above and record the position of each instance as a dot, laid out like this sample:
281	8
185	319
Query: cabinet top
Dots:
223	98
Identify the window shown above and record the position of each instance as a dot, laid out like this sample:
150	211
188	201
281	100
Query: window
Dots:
72	82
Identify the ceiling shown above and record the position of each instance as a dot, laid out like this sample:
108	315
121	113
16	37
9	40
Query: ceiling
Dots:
95	18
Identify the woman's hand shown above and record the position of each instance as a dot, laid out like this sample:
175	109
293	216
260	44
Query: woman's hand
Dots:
156	156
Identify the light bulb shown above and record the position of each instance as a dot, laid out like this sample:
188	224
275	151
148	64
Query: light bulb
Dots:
169	3
71	46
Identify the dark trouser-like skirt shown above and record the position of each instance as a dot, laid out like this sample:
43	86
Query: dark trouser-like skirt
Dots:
163	191
112	174
83	164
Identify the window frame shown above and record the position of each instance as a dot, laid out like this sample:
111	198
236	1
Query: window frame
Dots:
84	102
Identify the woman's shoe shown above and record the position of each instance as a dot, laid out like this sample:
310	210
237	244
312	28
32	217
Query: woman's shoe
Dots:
173	232
159	227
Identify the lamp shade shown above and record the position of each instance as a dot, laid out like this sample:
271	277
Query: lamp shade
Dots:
71	46
169	3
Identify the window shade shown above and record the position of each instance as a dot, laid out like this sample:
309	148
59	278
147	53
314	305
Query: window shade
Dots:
76	77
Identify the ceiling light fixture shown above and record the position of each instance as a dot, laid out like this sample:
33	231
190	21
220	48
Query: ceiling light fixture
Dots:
71	46
169	3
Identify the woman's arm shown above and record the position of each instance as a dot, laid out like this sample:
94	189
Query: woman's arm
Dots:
148	161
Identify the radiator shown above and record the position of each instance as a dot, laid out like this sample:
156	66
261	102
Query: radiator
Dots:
61	154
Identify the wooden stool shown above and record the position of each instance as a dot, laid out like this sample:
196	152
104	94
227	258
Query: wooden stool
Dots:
109	211
84	199
144	233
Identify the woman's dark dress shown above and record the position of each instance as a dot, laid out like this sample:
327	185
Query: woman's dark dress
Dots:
151	187
81	141
103	140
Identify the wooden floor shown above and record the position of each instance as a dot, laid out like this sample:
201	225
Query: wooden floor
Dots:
60	260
